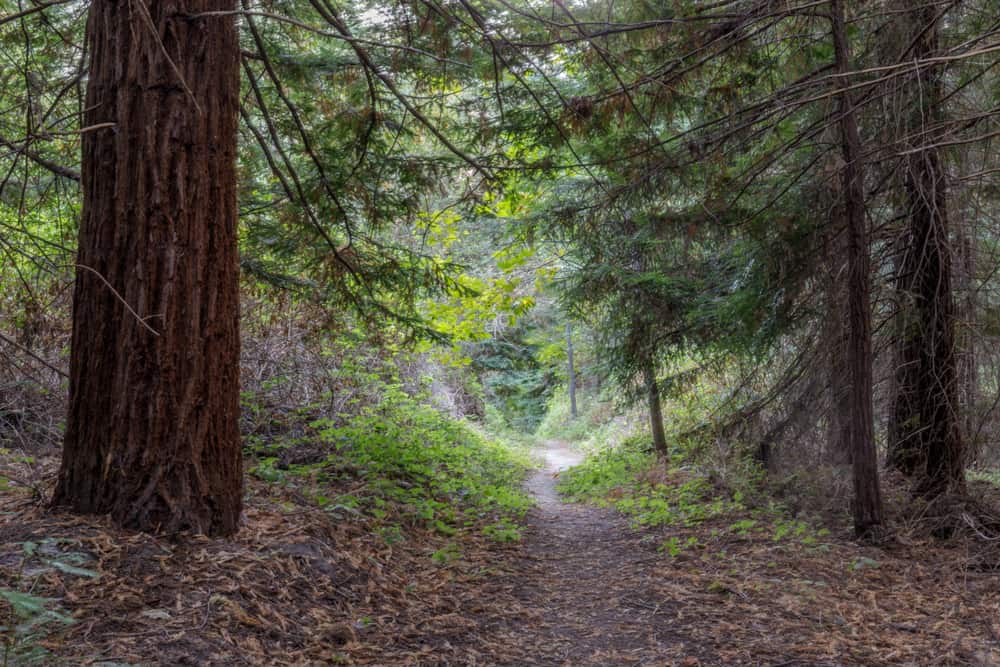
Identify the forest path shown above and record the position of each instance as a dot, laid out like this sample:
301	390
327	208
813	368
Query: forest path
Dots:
589	581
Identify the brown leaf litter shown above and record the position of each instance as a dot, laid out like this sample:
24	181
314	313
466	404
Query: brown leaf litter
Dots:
303	586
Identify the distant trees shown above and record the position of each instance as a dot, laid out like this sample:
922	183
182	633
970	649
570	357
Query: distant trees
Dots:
618	284
152	436
713	132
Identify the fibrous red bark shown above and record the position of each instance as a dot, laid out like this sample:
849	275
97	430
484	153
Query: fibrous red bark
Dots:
152	434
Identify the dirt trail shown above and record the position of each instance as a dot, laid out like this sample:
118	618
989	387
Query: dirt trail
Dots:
587	576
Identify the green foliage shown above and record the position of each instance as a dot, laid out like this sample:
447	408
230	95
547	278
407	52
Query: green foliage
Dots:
418	467
447	554
674	546
687	503
628	478
515	382
742	527
28	619
32	619
445	461
633	481
340	182
503	531
606	471
991	476
521	362
559	423
863	563
599	425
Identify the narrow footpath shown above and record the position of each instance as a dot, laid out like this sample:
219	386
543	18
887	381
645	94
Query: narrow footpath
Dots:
590	582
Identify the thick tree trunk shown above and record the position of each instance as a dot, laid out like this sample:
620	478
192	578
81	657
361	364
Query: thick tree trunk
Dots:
868	521
152	434
655	412
926	436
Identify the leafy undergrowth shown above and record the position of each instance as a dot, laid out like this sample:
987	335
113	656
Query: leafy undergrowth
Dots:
989	476
630	479
400	464
600	424
377	539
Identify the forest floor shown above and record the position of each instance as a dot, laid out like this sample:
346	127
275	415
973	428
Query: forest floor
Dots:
587	580
601	592
302	586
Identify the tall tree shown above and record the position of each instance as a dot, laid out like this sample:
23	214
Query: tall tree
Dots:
152	434
867	495
925	435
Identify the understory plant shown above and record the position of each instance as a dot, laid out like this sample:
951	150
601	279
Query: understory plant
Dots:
405	463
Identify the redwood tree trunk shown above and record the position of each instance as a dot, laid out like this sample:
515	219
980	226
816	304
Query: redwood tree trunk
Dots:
152	435
868	521
926	435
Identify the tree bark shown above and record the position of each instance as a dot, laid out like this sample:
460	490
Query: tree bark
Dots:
572	371
655	411
868	512
152	435
926	439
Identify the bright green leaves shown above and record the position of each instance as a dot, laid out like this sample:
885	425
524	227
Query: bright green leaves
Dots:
495	292
408	465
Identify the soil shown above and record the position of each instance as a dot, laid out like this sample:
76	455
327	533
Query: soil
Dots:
585	575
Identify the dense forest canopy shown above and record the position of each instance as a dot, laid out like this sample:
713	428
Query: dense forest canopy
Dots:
367	253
